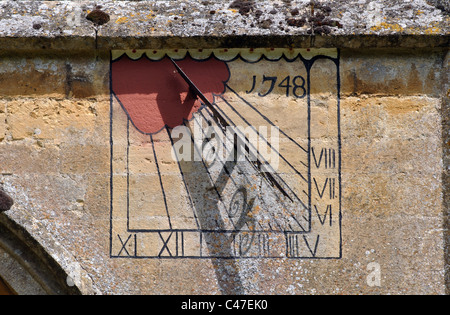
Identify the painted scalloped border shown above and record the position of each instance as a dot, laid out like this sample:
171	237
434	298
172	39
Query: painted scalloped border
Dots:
226	54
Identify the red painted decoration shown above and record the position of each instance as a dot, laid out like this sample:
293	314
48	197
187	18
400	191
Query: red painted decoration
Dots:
154	95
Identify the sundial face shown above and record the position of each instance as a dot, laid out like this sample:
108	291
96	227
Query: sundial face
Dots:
226	153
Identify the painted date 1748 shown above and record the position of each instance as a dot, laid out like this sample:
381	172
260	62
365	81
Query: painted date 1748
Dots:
294	86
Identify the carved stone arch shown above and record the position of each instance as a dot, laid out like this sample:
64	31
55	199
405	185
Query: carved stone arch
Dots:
25	267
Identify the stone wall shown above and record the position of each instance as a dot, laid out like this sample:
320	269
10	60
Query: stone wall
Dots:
373	100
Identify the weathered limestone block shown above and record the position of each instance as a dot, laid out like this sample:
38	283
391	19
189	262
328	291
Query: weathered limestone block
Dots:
363	138
378	73
63	25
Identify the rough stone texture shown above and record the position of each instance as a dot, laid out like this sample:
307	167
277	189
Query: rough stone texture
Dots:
179	24
55	150
26	266
446	157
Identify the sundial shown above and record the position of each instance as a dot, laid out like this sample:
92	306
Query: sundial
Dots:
225	153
